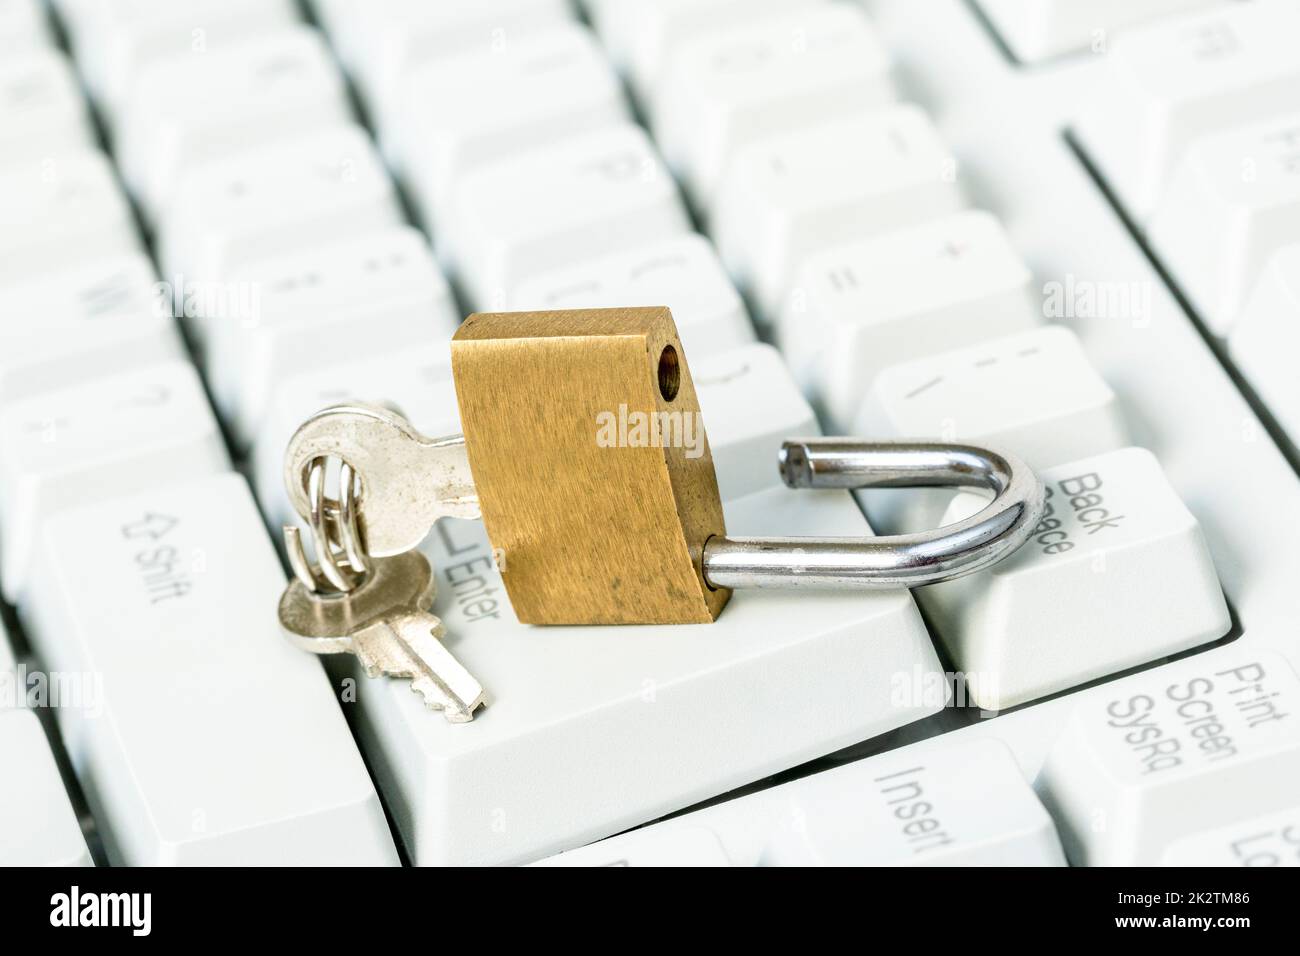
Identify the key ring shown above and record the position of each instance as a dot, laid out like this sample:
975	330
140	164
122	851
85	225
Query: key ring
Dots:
342	560
888	561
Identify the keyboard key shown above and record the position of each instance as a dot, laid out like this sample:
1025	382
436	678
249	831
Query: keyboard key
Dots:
219	743
537	89
1233	200
777	680
947	803
89	442
642	35
60	212
787	196
1168	755
1034	394
725	89
270	88
381	41
1267	339
42	113
750	405
416	381
361	28
1040	29
80	324
1116	574
272	200
22	27
1166	84
115	40
861	307
959	804
682	273
1267	840
337	16
327	304
679	846
556	206
38	826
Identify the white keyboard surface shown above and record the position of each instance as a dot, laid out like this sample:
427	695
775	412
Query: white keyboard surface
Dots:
187	764
1073	233
606	715
38	827
967	805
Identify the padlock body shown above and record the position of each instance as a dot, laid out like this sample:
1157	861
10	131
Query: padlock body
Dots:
591	463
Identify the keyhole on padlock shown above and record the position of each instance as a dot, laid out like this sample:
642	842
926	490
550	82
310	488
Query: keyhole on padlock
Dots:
670	373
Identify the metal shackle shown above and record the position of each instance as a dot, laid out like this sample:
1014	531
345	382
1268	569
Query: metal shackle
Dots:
888	561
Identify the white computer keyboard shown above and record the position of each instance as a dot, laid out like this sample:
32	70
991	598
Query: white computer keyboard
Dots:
1072	228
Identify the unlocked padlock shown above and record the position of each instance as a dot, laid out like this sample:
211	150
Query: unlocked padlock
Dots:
592	466
585	454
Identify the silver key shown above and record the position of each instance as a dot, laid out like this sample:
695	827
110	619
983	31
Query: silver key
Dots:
409	481
385	621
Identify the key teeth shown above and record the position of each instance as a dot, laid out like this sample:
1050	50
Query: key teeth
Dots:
434	700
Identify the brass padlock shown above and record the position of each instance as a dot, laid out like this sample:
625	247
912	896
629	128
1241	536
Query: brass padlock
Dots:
585	454
592	466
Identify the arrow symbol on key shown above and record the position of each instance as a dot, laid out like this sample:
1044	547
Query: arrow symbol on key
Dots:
152	526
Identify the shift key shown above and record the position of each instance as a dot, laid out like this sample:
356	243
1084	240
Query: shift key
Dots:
211	740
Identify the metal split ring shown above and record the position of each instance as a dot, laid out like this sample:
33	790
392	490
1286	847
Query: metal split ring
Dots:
342	561
888	561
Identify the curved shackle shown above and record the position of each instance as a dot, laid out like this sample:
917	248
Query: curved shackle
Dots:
888	561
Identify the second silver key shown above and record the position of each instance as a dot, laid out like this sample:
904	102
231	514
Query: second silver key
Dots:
385	621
